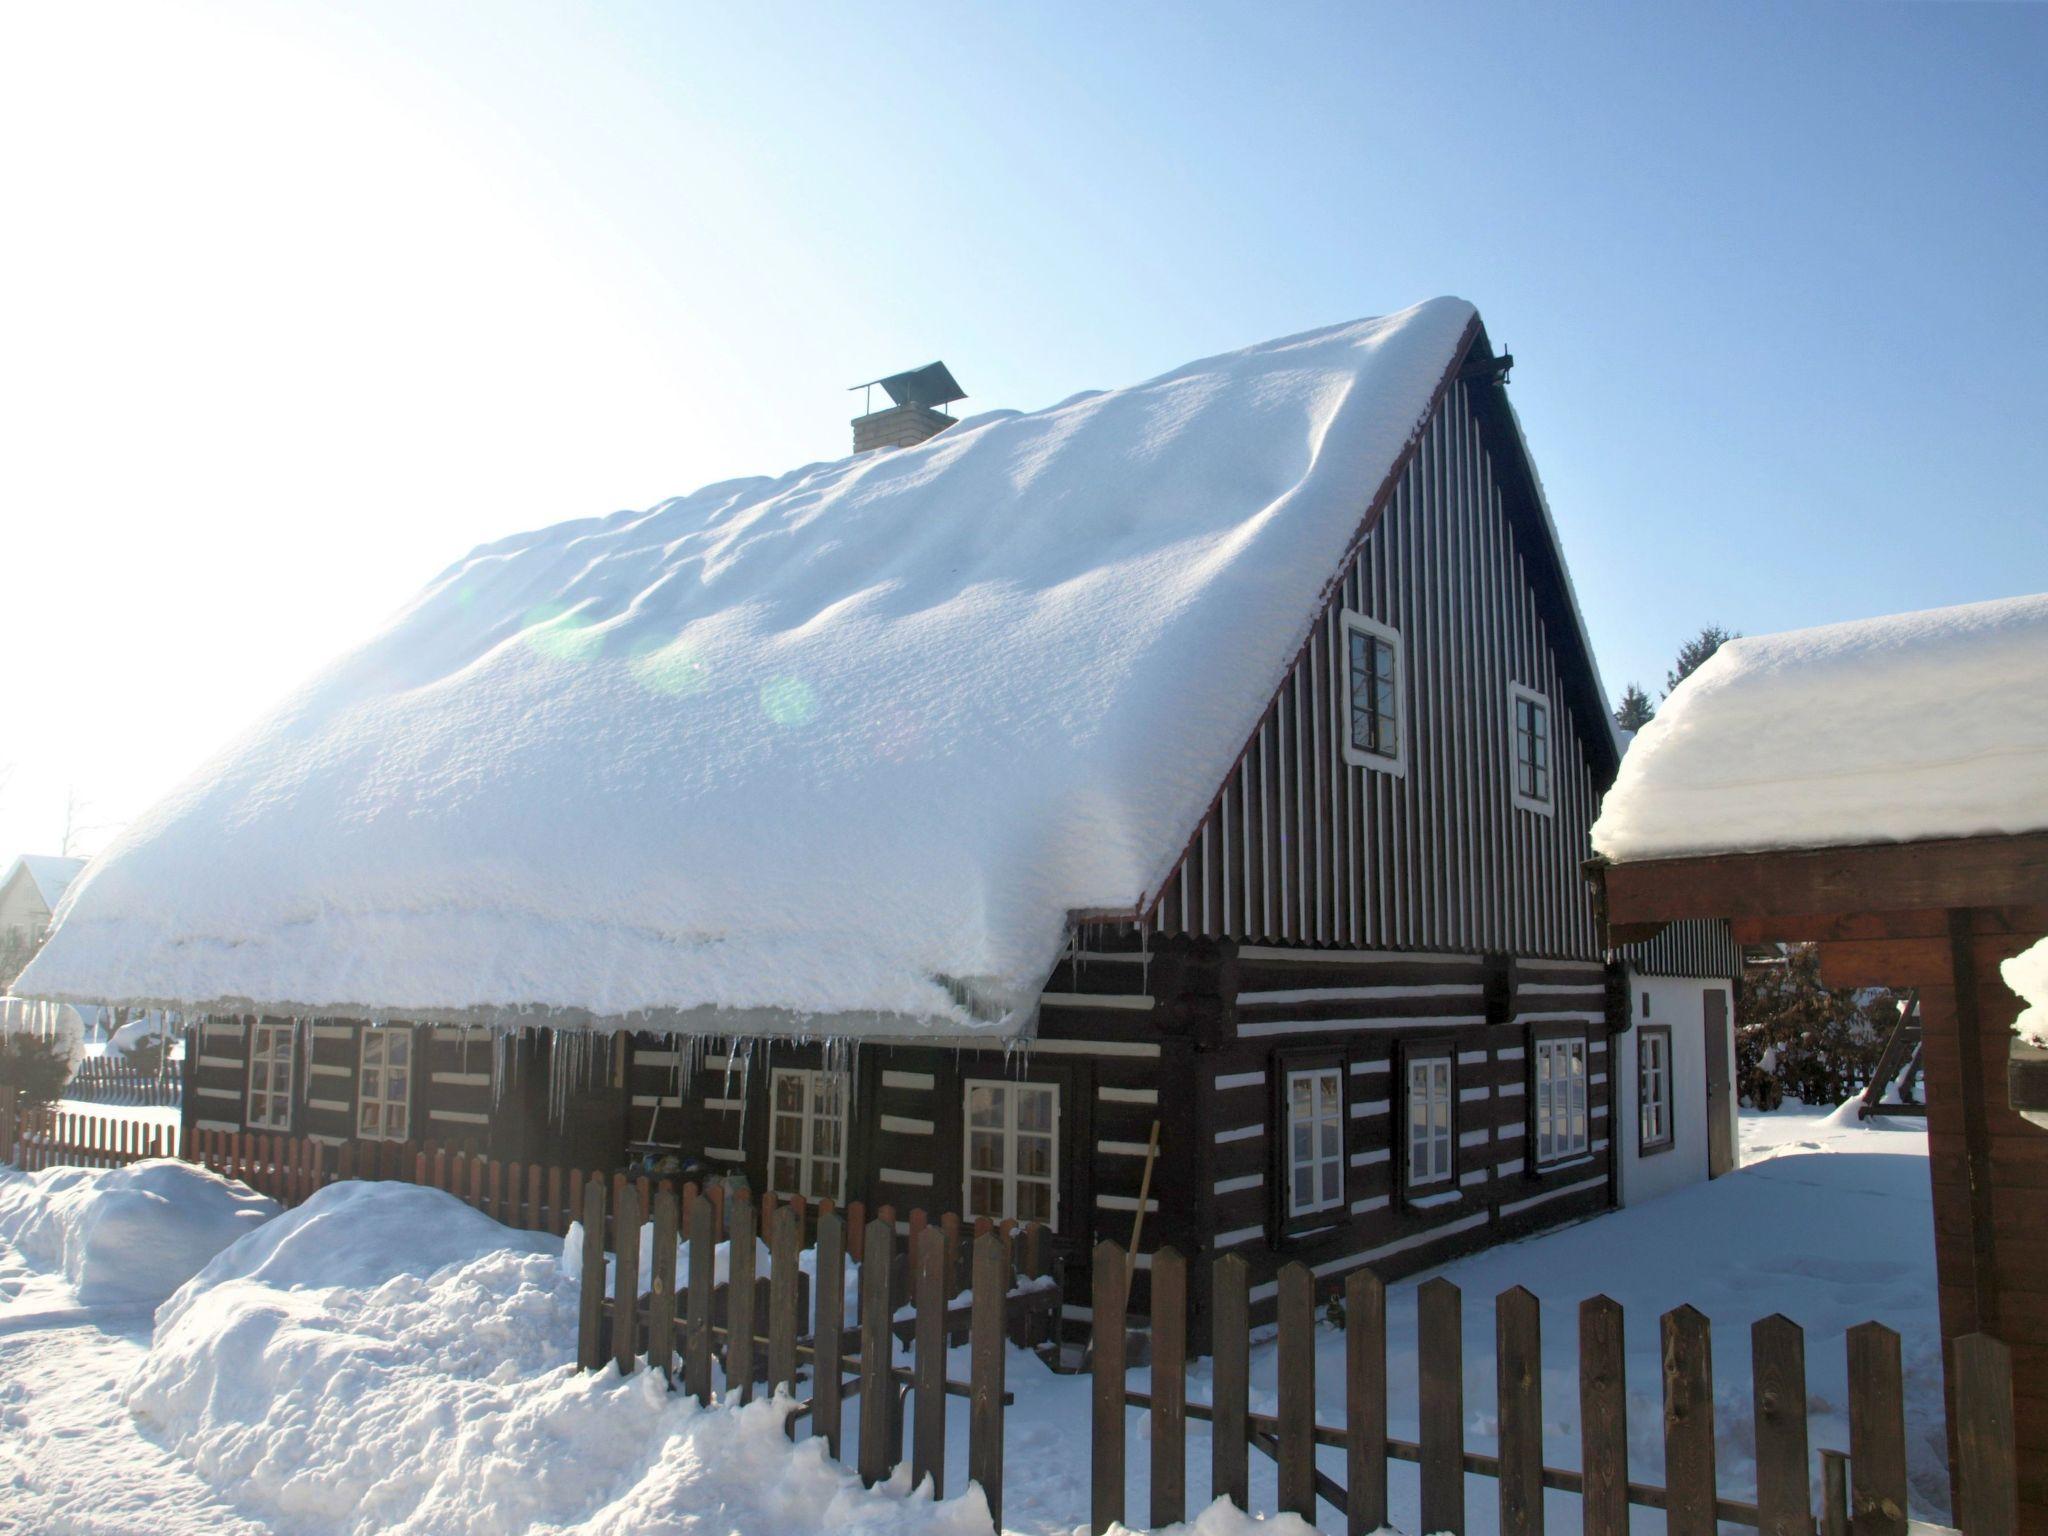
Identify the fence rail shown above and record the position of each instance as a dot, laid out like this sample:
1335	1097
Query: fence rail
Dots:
62	1138
110	1080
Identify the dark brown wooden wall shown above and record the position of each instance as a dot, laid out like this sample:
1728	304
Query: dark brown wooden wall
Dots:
1302	847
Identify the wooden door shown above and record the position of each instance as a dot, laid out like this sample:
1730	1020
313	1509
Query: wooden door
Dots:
1720	1122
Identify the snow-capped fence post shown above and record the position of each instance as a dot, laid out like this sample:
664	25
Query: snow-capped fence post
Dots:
928	1445
1987	1458
697	1323
661	1296
626	1280
828	1330
1689	1474
739	1298
590	1313
1106	1345
1518	1372
1777	1356
1440	1365
1295	1447
1230	1329
1365	1402
991	1285
877	1388
1877	1432
785	1242
1168	1504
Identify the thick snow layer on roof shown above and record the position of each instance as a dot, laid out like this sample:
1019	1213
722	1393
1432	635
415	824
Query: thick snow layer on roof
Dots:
1920	725
842	749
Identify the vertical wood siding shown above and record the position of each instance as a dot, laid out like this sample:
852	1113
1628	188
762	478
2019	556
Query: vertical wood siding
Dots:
1303	847
1694	947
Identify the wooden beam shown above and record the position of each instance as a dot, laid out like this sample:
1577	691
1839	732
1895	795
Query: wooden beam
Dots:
1788	883
1820	927
1885	962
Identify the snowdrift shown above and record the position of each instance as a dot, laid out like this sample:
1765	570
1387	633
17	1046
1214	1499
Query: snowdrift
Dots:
1780	741
833	753
133	1234
2027	974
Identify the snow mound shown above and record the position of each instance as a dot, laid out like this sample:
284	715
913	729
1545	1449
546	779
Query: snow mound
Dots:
2027	974
433	1396
836	752
1770	744
127	1235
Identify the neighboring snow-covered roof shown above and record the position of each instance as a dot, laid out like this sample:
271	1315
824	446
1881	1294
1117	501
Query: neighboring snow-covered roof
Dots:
1920	725
838	751
49	873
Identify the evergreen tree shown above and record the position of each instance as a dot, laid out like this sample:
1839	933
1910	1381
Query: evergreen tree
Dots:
1634	712
1694	653
33	1071
1800	1037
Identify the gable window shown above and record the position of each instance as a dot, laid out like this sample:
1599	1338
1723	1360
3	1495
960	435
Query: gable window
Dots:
270	1077
1559	1101
1431	1146
1530	717
807	1133
1653	1088
1315	1140
1013	1151
1372	685
384	1088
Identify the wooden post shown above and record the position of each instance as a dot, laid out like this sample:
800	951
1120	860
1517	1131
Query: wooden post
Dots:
661	1296
697	1317
1365	1402
1877	1433
1689	1473
739	1299
1518	1369
1440	1366
1169	1387
1834	1493
1106	1481
1297	1382
986	1350
877	1385
828	1336
1229	1445
784	1243
590	1320
1987	1457
626	1281
1603	1417
1777	1368
928	1447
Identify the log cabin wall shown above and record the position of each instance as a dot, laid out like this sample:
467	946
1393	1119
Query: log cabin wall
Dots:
1304	847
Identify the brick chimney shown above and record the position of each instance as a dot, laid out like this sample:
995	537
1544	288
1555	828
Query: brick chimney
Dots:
914	413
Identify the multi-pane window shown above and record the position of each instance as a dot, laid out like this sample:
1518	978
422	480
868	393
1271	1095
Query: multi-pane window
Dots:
1560	1101
270	1077
384	1086
807	1133
1315	1140
1012	1151
1653	1088
1532	748
1372	665
1430	1143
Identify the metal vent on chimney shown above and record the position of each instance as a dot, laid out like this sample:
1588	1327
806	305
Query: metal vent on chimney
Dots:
915	412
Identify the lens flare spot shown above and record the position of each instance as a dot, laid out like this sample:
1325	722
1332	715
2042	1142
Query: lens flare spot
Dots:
561	635
673	668
788	701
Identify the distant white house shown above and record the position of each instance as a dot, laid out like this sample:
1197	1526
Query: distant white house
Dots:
33	886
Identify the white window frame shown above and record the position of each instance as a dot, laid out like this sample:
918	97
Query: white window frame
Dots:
1546	803
270	1044
1011	1091
1654	1099
815	1080
1324	1154
1395	763
1560	1099
1432	1147
386	1101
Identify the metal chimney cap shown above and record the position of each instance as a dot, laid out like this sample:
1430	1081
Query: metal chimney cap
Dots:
931	386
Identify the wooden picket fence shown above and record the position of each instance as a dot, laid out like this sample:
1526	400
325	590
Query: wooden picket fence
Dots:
111	1080
62	1138
1864	1488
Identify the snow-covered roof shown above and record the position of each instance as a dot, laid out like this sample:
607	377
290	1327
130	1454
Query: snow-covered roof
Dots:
1920	725
49	873
838	751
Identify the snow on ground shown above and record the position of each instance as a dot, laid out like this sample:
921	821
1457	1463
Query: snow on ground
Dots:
383	1358
1747	752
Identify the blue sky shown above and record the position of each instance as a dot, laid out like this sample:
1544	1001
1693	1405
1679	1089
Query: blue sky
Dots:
310	301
